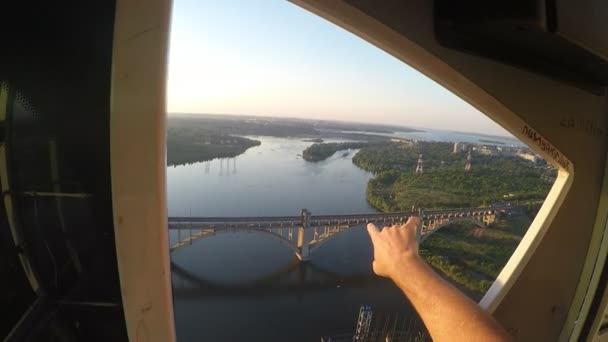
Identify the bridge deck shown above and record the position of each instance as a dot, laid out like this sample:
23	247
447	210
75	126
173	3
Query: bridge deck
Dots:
199	227
321	220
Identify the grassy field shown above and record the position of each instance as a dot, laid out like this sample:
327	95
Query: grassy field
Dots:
471	257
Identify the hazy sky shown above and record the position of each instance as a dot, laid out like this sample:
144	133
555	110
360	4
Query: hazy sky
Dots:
273	58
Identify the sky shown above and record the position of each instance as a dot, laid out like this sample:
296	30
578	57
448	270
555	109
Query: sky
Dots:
273	58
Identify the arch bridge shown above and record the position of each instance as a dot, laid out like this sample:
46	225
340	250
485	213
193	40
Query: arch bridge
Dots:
306	233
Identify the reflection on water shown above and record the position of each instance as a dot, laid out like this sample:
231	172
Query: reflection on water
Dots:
243	258
227	166
244	286
293	276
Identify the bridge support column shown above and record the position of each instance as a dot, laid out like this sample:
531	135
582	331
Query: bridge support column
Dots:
303	242
419	227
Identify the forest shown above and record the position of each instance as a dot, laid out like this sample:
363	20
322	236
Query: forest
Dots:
444	183
321	151
468	256
192	143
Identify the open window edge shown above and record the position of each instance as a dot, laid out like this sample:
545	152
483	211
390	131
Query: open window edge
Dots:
588	293
381	36
150	312
137	151
527	246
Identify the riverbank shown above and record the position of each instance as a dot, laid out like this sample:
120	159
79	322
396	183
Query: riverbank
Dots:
321	151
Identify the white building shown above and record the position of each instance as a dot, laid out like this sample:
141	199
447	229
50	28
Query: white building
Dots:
459	147
528	156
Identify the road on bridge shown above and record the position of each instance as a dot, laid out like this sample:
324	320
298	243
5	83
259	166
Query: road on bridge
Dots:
326	226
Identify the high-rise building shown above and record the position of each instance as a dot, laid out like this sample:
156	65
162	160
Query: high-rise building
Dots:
459	147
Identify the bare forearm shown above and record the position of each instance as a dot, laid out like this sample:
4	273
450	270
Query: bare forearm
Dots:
446	312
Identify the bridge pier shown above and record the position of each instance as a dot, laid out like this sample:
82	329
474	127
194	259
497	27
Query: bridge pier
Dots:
303	242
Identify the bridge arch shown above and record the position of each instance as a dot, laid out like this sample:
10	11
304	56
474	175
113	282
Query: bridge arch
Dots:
278	274
314	246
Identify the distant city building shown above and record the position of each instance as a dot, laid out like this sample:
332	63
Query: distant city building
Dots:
529	156
404	141
505	151
485	151
459	147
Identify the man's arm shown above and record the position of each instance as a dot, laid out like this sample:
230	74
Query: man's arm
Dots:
447	313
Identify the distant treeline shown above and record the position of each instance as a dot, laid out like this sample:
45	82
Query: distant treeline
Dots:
321	151
230	125
185	151
191	142
196	138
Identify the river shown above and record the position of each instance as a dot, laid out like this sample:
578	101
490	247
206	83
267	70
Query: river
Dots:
242	286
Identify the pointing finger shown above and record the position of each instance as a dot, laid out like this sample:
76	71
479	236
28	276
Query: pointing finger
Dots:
413	220
372	230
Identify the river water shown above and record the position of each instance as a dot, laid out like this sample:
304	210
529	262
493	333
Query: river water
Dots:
246	287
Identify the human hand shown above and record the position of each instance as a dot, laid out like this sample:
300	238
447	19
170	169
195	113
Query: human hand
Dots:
394	247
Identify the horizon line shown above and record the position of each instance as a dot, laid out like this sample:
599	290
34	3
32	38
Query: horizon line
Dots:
423	129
